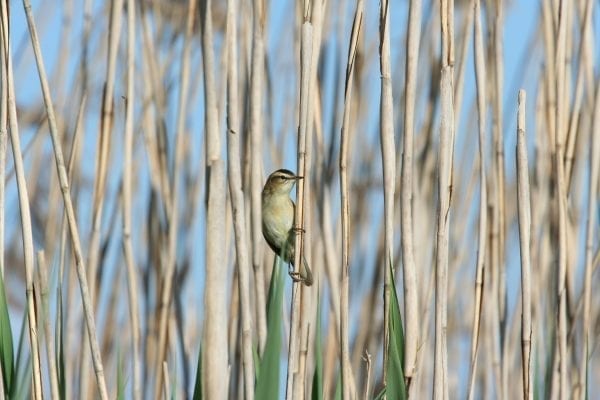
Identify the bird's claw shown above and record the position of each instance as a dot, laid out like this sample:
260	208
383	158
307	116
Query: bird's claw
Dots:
298	229
296	276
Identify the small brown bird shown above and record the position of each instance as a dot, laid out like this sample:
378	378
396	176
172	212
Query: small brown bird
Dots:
278	212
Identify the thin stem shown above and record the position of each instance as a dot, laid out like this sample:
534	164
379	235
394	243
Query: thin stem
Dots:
72	222
589	245
48	334
345	203
446	151
481	253
295	328
411	296
525	241
126	189
24	209
237	199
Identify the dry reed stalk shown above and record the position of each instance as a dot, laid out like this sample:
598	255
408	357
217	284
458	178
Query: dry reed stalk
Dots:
561	197
64	184
24	207
331	255
481	79
165	376
60	73
460	75
310	298
48	334
525	242
330	358
497	309
301	386
73	157
325	223
550	71
388	157
171	258
446	152
214	342
256	171
235	322
346	371
158	157
237	199
85	37
368	390
584	63
128	250
113	295
584	366
295	383
103	142
538	186
411	295
498	134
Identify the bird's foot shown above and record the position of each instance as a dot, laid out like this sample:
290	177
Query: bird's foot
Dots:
298	230
298	277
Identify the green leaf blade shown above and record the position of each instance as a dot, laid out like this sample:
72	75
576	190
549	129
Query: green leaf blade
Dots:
396	387
6	342
267	383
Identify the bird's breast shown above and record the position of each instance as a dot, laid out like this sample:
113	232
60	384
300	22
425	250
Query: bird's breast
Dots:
277	218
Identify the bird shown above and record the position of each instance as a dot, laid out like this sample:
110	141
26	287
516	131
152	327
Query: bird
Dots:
278	225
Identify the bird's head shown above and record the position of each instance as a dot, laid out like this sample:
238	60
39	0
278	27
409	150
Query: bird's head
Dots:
281	182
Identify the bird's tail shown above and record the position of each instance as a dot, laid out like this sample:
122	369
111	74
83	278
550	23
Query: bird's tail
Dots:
308	277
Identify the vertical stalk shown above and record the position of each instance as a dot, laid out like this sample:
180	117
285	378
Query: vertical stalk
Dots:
171	260
237	199
295	331
561	197
256	128
481	78
64	185
126	190
411	297
308	296
104	141
24	208
214	341
499	159
48	334
589	244
102	159
584	62
388	159
345	205
446	152
525	241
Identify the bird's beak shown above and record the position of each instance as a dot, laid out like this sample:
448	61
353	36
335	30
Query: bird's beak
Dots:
297	177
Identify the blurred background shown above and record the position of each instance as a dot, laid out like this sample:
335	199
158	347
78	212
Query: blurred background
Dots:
143	204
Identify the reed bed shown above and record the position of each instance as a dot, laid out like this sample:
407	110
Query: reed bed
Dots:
449	208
